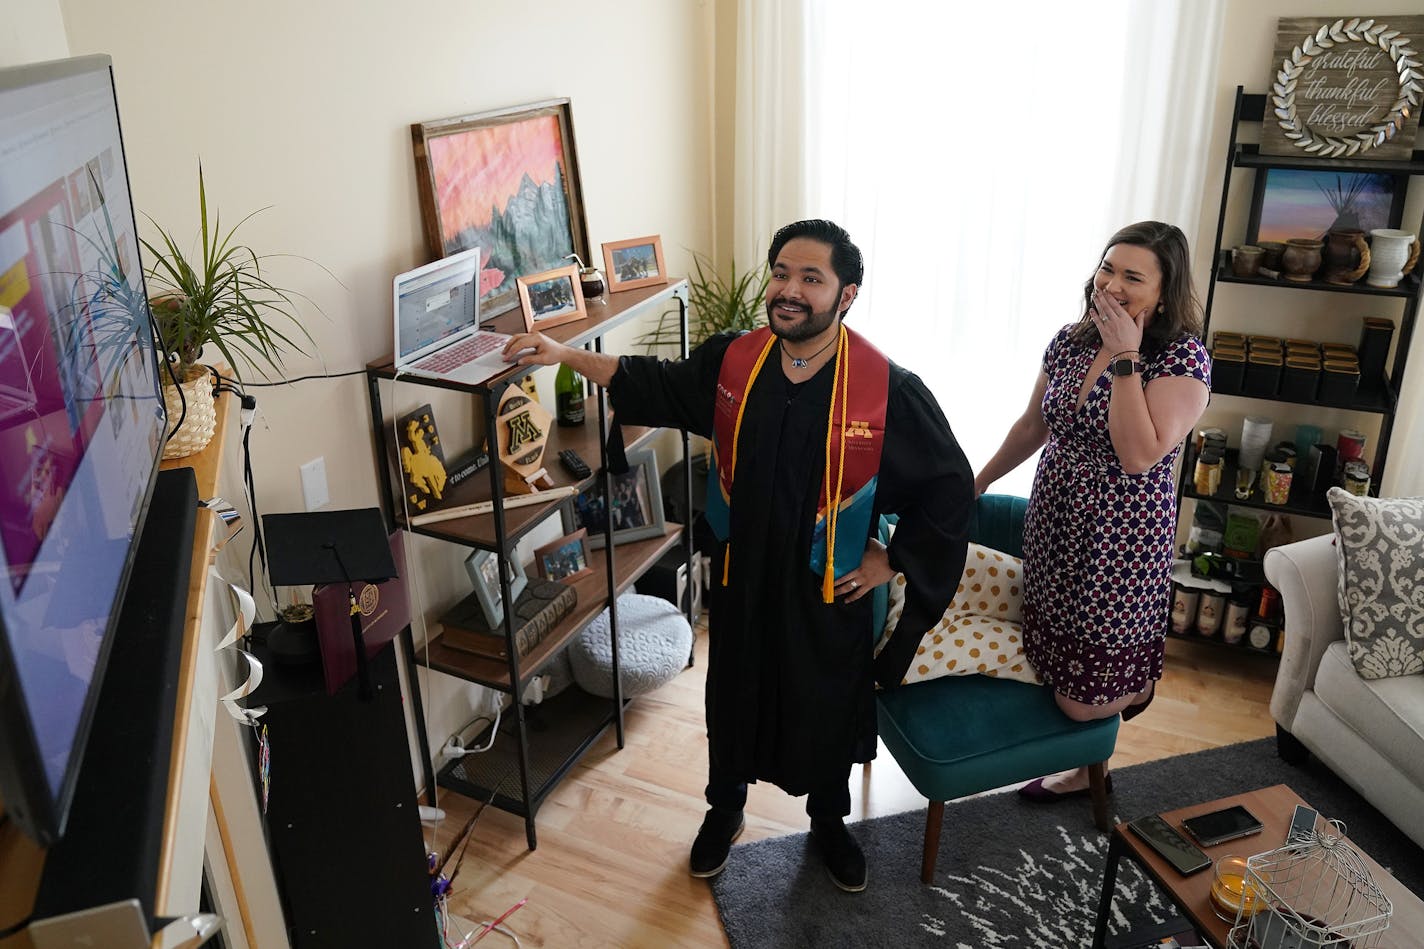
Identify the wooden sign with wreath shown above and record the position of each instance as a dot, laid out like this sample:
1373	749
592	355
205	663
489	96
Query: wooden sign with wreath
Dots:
1345	88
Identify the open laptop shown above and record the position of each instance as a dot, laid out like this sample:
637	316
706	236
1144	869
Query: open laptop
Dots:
438	335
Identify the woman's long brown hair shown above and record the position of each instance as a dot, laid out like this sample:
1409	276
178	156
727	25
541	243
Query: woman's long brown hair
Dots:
1181	312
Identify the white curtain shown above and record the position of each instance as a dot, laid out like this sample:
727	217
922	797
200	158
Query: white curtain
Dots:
980	157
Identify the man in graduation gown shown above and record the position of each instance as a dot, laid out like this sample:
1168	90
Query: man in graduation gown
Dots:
815	435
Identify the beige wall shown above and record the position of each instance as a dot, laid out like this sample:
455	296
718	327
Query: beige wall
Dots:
304	108
31	31
1248	41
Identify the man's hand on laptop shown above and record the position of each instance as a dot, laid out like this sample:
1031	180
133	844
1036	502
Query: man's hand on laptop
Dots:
536	349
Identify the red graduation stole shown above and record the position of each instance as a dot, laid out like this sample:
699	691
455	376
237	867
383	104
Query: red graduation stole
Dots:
855	439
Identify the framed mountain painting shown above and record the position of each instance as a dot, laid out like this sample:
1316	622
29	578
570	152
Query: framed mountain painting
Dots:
507	182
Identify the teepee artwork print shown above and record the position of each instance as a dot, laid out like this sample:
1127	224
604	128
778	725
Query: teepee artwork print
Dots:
507	182
1290	203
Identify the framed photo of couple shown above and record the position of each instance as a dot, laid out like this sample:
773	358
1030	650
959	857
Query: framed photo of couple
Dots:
636	509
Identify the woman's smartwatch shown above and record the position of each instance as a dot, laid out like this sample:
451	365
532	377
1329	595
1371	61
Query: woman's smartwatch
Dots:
1125	366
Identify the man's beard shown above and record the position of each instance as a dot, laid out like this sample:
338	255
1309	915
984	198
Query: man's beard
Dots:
813	325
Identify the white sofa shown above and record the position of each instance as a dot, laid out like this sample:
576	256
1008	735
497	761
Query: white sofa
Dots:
1369	732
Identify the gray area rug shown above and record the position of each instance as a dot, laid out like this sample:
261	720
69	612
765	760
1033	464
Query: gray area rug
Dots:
1014	874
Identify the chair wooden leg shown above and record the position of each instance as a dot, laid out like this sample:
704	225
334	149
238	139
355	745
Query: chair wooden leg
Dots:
1098	787
934	819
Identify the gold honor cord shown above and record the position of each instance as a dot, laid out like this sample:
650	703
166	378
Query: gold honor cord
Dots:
833	506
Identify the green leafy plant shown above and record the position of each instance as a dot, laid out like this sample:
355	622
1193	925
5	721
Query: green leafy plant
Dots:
220	296
717	304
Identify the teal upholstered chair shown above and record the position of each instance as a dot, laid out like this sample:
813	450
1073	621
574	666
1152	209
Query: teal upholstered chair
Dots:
959	735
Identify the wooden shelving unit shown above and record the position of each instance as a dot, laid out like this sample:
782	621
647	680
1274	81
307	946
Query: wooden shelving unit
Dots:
525	762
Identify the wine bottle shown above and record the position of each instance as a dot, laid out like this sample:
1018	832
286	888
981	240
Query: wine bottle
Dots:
568	396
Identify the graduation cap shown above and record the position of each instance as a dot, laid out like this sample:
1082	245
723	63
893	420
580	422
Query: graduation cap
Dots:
341	547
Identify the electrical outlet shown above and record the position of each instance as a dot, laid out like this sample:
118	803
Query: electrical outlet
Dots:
314	491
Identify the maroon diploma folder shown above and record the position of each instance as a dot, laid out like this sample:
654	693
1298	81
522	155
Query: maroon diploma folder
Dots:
385	611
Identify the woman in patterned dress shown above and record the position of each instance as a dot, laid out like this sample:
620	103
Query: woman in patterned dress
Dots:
1119	391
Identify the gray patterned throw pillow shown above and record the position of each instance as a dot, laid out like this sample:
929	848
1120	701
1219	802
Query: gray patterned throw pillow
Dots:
1381	554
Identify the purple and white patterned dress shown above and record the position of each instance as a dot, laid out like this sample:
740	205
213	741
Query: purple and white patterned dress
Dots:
1097	540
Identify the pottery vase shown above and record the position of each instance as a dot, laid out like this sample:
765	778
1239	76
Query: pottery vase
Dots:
1301	258
1394	254
1346	256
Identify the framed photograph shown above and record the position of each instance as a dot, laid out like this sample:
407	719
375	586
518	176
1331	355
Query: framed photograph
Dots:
551	298
483	568
1288	202
634	263
637	508
565	558
505	181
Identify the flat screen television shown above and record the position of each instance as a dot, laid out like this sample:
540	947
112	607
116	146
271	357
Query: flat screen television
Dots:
82	423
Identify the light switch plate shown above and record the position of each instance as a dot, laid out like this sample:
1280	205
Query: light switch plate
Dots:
314	490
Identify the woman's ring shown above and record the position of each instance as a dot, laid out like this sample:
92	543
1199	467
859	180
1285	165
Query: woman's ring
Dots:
854	584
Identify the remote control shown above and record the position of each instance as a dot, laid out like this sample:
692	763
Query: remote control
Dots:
573	464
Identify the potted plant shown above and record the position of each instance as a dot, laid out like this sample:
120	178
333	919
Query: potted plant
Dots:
717	304
219	296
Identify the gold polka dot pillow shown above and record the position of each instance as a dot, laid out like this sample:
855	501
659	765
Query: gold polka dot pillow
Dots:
991	585
979	632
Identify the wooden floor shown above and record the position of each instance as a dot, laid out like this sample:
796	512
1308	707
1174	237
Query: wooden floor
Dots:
611	867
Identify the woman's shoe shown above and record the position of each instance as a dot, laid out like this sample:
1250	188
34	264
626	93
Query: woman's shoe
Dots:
1035	791
1132	711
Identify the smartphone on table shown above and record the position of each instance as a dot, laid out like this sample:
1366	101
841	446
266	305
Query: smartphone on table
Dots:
1217	827
1172	846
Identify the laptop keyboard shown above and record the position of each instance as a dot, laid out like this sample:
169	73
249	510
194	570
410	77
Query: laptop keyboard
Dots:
465	351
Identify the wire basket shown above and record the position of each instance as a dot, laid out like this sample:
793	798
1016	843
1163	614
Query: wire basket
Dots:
1314	893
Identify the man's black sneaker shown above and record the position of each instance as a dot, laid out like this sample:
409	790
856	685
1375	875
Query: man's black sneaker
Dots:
844	860
714	840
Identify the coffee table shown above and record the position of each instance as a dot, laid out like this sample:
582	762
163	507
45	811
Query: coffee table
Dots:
1273	806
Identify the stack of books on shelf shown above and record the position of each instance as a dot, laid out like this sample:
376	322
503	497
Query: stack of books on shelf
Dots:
536	611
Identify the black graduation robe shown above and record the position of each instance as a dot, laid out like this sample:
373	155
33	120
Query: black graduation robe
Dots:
790	679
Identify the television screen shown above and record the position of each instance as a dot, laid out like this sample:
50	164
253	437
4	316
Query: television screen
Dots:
82	423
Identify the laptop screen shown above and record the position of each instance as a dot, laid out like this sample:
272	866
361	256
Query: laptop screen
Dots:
437	301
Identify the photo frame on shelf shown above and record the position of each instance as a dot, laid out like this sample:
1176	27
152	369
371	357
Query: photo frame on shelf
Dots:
483	569
565	558
551	298
506	181
1290	202
636	262
637	508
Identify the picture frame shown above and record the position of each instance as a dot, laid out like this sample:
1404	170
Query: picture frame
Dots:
1290	202
637	507
470	168
551	298
483	569
636	262
565	558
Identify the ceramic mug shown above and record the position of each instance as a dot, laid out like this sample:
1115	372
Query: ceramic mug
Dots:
1246	260
1393	254
1271	252
1346	256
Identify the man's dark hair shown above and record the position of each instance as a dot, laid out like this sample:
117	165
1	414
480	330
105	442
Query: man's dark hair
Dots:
845	256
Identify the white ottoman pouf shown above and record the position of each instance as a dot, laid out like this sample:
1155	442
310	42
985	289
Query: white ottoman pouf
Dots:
654	642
